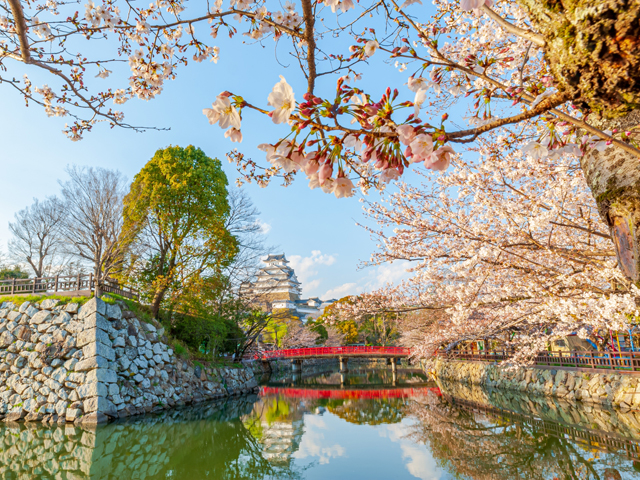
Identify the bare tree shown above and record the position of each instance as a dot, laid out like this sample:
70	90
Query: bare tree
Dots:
37	235
93	227
299	336
335	337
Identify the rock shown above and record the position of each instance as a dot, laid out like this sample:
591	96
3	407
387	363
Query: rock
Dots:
92	363
72	414
101	405
92	390
71	308
119	342
95	305
93	335
113	312
104	375
95	320
99	349
6	339
31	311
49	304
43	316
149	327
24	306
24	333
14	316
94	418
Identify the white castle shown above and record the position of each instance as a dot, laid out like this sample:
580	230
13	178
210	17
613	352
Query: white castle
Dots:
277	287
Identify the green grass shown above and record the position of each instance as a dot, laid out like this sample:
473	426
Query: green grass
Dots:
20	299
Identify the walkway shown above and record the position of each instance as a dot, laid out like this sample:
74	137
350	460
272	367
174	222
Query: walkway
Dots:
337	352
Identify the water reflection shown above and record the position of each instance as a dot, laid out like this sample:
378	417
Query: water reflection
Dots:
364	426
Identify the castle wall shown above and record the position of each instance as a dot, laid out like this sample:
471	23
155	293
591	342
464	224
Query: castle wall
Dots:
61	363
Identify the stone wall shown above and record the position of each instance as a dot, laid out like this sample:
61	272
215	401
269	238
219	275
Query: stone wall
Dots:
603	418
61	363
613	389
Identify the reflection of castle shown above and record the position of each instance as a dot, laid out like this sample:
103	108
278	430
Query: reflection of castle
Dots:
277	288
281	439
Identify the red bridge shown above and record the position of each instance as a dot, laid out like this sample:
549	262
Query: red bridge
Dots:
341	353
344	394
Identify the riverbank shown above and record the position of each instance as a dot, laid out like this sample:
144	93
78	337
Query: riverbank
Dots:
61	363
610	389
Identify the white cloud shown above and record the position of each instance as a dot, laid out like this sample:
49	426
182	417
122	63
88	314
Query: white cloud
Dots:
418	461
306	268
264	226
342	291
313	440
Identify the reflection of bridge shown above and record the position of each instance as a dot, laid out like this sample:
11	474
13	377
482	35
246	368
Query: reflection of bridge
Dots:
350	393
297	355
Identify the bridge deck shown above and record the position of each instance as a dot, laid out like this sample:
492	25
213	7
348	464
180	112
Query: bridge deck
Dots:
337	352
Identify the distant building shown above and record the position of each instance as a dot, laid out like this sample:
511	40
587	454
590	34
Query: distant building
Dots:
277	288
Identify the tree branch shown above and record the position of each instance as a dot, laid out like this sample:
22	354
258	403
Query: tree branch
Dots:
309	21
511	28
21	29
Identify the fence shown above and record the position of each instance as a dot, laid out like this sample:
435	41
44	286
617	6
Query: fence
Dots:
619	361
63	283
336	351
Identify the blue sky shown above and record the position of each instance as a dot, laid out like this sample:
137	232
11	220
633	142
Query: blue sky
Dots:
316	231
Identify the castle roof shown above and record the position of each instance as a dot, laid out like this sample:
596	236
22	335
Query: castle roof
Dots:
276	258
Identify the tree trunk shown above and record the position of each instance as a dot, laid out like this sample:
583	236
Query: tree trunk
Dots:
157	300
614	178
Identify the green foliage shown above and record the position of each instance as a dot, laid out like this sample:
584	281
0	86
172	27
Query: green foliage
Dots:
179	198
180	350
8	273
370	329
19	299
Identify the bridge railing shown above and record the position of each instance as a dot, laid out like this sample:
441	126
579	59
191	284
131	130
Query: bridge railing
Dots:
334	351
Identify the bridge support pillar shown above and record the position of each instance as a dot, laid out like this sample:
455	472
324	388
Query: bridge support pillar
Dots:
394	365
296	366
344	366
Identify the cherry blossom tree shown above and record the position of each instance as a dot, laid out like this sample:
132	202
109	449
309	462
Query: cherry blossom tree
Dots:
574	68
508	247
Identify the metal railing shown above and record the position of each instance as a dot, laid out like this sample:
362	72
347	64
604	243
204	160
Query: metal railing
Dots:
63	283
335	352
345	393
619	361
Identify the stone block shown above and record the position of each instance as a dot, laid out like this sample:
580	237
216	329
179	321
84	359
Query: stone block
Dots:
71	308
94	418
31	311
49	304
63	318
95	320
14	316
100	349
23	307
6	339
113	312
92	390
100	405
95	305
119	342
93	335
104	375
72	414
91	363
43	316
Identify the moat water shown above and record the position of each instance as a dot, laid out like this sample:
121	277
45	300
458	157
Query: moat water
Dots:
367	424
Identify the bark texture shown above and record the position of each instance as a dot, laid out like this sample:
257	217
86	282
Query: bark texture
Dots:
614	178
593	50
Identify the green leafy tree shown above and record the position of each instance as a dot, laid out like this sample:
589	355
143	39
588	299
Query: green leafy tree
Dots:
179	203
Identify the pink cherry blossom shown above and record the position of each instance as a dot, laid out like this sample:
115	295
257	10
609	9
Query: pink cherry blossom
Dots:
234	135
421	147
283	100
406	134
440	159
343	187
325	172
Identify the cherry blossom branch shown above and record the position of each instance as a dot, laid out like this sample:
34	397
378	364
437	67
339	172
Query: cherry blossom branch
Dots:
309	38
21	29
511	28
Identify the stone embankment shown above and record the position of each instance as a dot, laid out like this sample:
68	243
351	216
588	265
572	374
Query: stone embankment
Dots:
602	418
150	446
613	389
61	363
